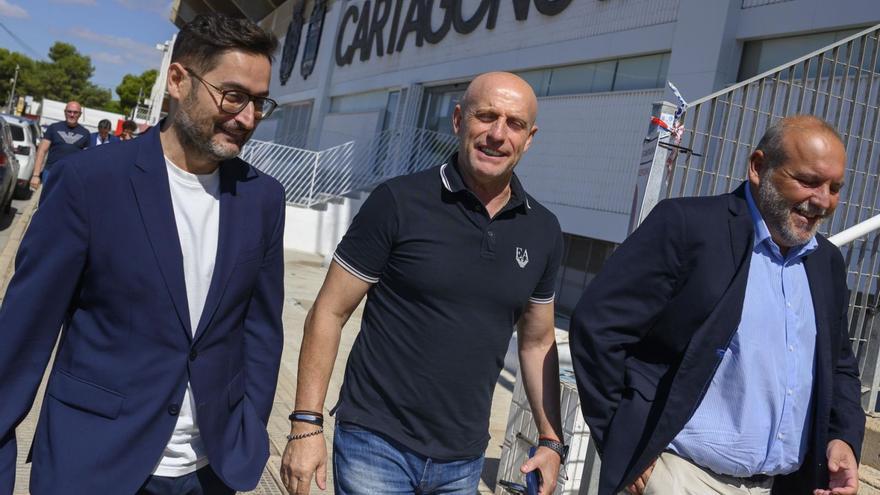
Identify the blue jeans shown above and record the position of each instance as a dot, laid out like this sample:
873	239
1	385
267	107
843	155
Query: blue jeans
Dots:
201	482
366	463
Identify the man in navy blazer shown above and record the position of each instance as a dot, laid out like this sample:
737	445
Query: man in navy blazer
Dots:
103	135
162	258
711	351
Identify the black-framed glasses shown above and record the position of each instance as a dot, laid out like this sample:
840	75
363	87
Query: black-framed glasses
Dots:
233	101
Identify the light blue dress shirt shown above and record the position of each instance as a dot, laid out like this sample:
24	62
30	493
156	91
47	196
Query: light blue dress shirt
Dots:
755	413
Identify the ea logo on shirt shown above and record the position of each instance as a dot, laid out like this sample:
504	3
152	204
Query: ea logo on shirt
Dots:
522	257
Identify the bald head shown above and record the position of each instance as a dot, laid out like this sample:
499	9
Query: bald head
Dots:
505	83
794	128
495	123
72	112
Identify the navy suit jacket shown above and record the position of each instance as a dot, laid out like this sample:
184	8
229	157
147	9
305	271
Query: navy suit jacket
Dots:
646	337
102	256
93	139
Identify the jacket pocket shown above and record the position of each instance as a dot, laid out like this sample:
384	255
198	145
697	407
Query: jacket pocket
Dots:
81	394
646	387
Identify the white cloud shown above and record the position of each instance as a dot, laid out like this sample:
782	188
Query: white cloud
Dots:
126	49
110	58
8	9
75	2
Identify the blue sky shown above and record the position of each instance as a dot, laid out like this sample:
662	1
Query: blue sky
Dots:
119	35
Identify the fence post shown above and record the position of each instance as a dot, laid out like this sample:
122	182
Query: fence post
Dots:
652	171
314	178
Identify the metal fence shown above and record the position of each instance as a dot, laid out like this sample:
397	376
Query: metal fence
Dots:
841	84
311	178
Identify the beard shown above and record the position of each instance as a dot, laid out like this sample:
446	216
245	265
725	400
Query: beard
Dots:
777	212
197	133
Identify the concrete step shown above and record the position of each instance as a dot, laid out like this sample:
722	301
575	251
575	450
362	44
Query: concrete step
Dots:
869	480
871	444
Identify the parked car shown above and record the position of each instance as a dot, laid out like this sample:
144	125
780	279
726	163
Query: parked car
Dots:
8	167
25	137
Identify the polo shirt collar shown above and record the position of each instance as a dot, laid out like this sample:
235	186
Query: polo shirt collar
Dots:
452	181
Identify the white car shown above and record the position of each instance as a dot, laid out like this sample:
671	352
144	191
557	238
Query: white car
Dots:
25	137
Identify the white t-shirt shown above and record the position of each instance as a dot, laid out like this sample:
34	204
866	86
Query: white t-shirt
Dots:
196	203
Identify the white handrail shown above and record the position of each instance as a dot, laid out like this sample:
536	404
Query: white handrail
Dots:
860	229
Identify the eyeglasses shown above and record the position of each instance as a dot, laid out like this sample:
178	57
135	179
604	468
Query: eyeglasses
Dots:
233	101
72	112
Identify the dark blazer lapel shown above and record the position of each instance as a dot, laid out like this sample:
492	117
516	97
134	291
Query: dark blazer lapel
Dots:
231	217
149	180
817	265
740	225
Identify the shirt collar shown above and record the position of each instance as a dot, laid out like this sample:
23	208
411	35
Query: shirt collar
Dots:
762	233
452	181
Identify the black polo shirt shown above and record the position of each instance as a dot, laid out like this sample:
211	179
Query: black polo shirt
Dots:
449	284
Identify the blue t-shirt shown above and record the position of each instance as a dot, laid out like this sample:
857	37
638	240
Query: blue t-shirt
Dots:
64	141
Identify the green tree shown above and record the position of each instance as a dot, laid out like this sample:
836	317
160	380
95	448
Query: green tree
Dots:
26	74
65	76
133	86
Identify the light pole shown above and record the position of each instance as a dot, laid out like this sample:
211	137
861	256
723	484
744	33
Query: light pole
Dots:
12	91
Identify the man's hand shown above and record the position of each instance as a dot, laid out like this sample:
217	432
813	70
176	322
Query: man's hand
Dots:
546	461
638	486
35	182
303	459
843	470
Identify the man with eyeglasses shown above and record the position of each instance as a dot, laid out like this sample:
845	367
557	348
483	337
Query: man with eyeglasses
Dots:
60	140
162	257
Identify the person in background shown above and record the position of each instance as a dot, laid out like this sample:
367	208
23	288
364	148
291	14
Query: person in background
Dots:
103	136
59	140
129	128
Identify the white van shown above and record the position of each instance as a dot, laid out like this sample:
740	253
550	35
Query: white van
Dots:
25	137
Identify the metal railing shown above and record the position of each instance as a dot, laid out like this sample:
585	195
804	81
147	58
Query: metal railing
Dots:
841	84
311	178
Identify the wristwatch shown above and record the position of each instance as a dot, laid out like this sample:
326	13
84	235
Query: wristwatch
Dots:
555	446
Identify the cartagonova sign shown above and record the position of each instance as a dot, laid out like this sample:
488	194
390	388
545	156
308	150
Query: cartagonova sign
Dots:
383	24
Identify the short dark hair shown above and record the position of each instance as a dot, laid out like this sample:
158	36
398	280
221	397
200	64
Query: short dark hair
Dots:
104	124
129	125
208	36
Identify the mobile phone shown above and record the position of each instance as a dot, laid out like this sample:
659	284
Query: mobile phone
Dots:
533	478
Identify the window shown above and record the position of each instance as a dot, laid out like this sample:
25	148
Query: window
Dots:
762	55
288	125
358	103
641	72
437	106
390	110
17	132
582	260
645	72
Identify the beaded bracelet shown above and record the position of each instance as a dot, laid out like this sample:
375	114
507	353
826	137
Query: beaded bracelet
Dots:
305	435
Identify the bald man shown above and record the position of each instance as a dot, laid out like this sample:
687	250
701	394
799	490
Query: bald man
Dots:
451	260
711	352
61	139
